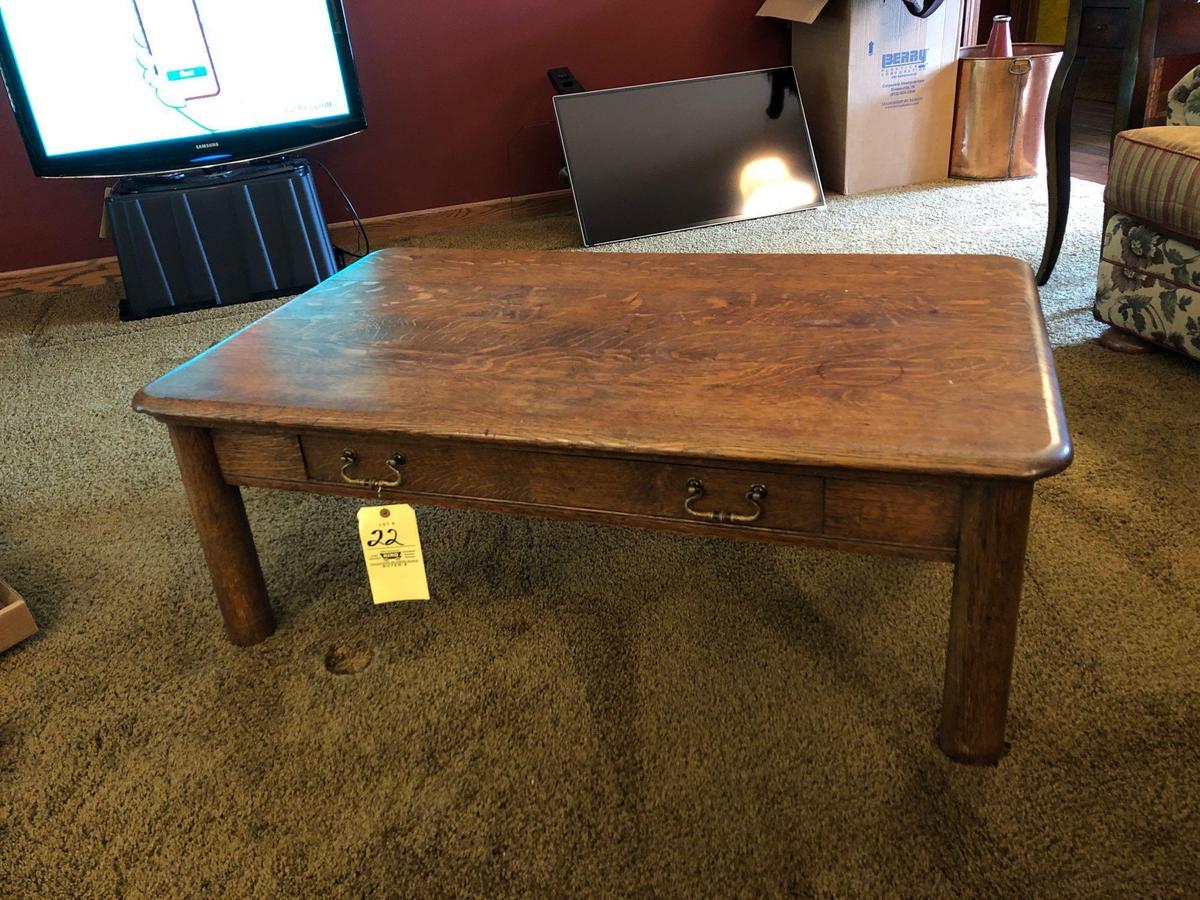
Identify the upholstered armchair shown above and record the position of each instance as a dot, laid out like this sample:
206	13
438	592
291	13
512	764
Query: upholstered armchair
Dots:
1149	279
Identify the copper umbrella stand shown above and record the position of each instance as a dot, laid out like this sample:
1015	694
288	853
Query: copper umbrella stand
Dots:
1001	110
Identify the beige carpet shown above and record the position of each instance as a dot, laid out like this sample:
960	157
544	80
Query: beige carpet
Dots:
583	710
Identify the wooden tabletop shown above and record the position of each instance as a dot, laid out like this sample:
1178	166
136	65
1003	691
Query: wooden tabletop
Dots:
920	364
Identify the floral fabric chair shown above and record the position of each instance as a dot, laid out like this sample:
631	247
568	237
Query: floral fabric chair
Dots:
1149	278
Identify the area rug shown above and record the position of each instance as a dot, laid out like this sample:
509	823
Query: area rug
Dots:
581	710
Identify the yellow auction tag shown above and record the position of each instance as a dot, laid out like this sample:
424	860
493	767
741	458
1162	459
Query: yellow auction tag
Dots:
392	548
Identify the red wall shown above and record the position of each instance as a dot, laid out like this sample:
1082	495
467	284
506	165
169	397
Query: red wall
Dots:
457	101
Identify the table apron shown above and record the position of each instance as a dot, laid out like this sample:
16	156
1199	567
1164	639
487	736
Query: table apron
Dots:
867	512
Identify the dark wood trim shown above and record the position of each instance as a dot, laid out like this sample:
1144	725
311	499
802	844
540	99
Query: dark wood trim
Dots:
447	218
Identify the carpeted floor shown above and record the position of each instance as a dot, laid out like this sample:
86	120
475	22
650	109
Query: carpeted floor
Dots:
583	710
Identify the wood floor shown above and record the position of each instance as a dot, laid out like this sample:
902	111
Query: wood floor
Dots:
1091	131
1090	134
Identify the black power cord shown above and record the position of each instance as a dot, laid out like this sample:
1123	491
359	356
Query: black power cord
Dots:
362	248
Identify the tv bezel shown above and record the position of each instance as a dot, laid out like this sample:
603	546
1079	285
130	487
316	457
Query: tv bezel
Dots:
197	152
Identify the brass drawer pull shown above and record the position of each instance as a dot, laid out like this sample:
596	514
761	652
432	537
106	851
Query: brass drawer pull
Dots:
394	462
754	497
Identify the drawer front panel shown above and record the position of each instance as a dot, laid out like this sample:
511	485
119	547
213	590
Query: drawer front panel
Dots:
866	512
924	515
566	481
259	455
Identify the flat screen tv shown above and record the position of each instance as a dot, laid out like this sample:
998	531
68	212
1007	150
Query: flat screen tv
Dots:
122	87
664	157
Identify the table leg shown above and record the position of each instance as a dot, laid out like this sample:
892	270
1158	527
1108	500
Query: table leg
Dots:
1058	158
225	536
983	619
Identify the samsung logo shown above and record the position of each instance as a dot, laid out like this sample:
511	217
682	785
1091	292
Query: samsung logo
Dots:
208	146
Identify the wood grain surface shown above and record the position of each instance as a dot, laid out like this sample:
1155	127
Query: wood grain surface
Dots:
983	620
225	537
917	364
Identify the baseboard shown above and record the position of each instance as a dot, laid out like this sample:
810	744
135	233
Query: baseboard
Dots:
380	229
48	279
425	221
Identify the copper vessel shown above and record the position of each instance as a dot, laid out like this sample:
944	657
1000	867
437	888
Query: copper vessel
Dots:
1000	114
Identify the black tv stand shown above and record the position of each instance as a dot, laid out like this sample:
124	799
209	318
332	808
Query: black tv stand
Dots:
216	237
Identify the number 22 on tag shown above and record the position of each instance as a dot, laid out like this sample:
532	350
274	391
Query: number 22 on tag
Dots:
392	549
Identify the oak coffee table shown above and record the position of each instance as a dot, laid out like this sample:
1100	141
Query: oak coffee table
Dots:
888	404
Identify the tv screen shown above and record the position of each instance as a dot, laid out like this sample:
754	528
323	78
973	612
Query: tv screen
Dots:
663	157
116	87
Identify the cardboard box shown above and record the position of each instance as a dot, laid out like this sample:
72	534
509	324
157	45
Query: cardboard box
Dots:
878	88
16	624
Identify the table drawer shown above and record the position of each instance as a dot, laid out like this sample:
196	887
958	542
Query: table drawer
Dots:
568	481
869	511
1103	27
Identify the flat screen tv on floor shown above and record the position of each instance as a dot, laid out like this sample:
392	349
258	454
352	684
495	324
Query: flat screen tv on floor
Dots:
123	87
664	157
